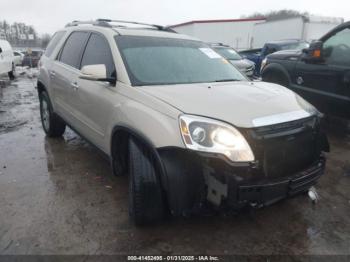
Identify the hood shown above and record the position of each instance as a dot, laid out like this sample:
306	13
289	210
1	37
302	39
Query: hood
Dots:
242	64
243	104
286	54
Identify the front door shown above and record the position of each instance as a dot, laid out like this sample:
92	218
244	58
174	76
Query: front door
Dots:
94	100
327	84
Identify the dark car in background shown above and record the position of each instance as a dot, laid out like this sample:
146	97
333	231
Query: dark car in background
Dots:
245	66
321	73
258	55
31	58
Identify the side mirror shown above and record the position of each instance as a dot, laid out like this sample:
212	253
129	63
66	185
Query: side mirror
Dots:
96	73
314	53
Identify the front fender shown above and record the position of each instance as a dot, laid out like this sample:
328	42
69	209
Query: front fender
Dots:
159	129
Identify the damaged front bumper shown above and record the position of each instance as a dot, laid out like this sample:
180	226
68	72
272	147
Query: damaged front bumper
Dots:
265	192
289	160
193	179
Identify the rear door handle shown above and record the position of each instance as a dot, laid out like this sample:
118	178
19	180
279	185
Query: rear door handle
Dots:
74	85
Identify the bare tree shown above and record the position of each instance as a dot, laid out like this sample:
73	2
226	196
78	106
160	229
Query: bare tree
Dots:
277	15
20	34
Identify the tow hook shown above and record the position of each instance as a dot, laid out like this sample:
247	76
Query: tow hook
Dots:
313	195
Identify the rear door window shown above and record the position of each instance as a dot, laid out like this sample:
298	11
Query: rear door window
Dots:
98	52
73	48
53	43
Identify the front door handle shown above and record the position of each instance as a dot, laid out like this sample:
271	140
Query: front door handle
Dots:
52	74
74	85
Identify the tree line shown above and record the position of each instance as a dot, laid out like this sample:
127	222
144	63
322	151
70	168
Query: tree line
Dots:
277	15
22	35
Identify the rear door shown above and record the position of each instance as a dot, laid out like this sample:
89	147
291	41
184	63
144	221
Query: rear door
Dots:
64	75
327	84
94	100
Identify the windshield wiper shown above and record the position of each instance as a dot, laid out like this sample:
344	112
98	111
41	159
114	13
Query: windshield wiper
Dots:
227	80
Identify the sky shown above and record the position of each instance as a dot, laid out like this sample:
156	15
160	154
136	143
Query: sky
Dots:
47	16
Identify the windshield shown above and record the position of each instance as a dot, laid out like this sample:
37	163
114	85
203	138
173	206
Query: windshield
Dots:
295	46
160	61
228	53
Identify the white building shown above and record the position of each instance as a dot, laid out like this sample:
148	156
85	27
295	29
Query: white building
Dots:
254	33
306	28
234	32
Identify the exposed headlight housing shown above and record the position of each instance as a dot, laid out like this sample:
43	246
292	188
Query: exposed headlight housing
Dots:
212	136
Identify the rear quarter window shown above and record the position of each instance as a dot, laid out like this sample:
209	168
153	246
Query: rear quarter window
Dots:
54	42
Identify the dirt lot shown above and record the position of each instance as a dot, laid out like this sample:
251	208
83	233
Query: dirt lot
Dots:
57	196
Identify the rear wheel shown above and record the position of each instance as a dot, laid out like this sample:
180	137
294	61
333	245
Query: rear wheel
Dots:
146	203
53	125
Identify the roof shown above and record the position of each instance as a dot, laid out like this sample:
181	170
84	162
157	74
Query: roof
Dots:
285	41
152	33
122	27
127	31
219	21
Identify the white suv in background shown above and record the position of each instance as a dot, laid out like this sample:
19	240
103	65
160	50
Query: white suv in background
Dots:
181	121
7	65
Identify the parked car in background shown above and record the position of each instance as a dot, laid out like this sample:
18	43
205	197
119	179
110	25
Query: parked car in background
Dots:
7	65
321	73
185	125
258	55
32	58
18	58
245	66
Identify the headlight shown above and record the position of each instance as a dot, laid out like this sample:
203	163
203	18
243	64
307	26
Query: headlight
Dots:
207	135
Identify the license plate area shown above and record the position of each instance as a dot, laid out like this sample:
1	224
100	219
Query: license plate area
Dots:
289	154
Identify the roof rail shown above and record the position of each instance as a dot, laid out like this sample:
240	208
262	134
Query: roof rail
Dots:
220	44
107	23
97	23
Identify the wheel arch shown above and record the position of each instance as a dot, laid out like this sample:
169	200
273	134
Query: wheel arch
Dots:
120	133
41	87
276	69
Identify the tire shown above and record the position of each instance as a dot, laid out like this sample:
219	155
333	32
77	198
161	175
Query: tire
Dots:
120	155
11	74
146	204
277	78
52	124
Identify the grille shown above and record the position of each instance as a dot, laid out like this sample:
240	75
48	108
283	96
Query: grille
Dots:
283	128
286	148
288	154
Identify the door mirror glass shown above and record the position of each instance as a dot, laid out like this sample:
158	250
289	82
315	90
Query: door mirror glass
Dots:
314	53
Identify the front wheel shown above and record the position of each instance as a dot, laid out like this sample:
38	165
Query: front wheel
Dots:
276	78
146	203
11	74
52	124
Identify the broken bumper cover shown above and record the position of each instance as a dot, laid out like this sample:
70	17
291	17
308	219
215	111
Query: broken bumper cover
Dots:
270	192
193	178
